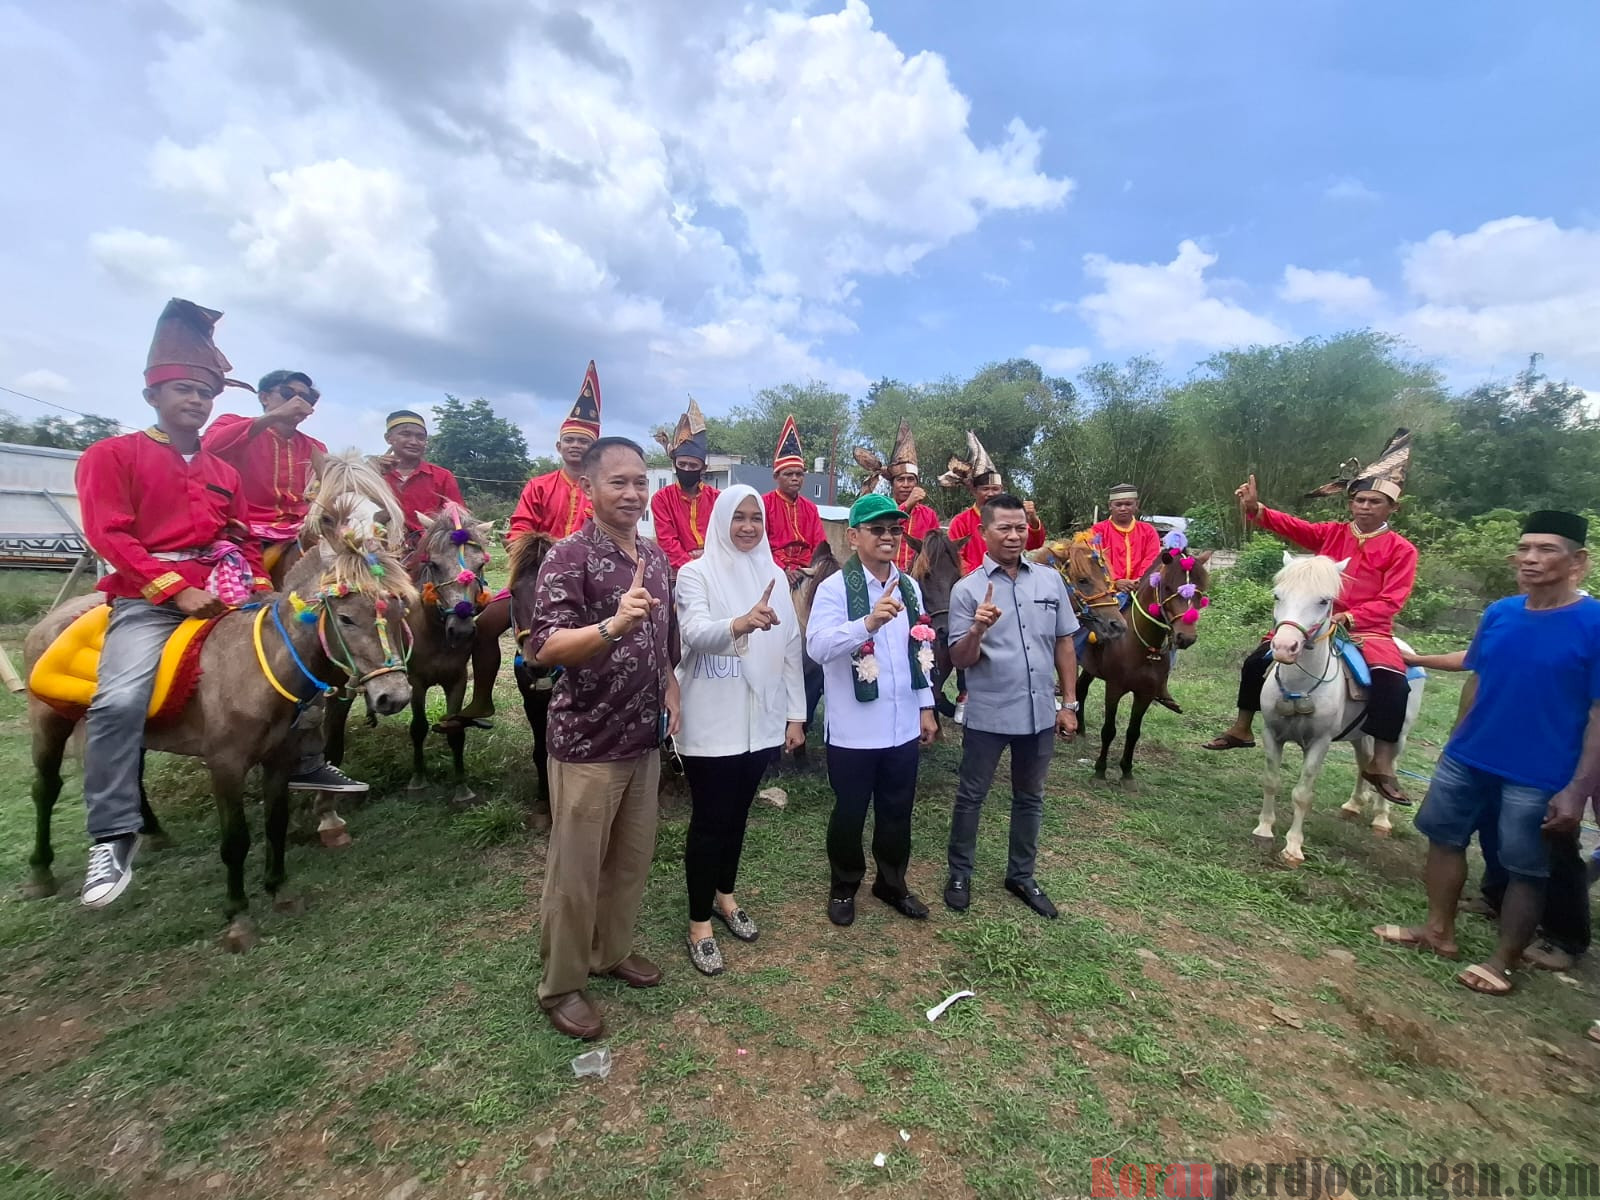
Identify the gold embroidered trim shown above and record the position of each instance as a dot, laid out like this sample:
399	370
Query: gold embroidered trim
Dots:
155	591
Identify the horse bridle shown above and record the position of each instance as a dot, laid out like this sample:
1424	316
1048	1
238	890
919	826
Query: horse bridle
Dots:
316	609
1167	640
461	537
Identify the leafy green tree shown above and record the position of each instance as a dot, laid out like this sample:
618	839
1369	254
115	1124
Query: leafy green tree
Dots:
751	430
57	432
488	453
1523	446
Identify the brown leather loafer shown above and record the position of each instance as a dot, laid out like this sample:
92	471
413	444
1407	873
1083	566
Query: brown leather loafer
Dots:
574	1016
636	971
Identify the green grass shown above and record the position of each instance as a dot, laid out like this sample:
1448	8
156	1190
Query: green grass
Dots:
391	1030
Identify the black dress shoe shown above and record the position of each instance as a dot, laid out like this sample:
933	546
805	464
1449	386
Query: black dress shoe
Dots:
842	910
904	903
1033	896
958	894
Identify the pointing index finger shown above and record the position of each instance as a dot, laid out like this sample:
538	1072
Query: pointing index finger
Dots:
988	597
767	595
638	571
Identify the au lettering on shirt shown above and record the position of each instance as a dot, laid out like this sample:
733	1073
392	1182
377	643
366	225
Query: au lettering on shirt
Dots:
717	666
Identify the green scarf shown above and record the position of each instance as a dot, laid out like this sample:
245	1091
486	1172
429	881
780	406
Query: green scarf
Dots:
857	606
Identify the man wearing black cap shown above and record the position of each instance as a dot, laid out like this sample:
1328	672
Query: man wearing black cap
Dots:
1527	746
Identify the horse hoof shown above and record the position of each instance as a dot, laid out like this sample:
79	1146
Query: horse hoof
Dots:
1263	842
156	841
1350	814
1292	860
463	795
1100	775
1128	784
294	906
240	936
335	839
417	784
539	821
41	887
1382	831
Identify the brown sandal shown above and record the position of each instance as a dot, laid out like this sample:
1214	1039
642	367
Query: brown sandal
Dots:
1388	787
1227	741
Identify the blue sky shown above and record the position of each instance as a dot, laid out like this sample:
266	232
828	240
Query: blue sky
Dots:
410	197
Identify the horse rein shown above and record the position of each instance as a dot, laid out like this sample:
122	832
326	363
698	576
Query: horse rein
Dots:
1312	637
392	662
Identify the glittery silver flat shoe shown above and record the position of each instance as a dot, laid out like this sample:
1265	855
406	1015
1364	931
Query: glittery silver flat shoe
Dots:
705	956
739	924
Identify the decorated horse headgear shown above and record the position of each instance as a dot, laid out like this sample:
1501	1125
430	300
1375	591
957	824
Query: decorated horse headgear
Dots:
1175	549
461	538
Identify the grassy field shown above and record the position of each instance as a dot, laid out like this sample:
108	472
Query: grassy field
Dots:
1195	1000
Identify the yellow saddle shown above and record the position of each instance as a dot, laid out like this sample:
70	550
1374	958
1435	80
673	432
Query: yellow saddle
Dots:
69	670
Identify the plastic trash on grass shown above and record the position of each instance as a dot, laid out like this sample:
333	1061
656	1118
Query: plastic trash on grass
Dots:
594	1062
937	1010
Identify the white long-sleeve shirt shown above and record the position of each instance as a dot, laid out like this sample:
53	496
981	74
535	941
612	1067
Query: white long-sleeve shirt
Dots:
722	713
895	717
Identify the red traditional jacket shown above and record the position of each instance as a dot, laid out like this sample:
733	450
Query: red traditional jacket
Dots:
140	498
424	491
274	472
791	522
923	521
550	504
1377	581
682	521
968	524
1131	552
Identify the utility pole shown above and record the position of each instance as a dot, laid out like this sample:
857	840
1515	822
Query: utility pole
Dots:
833	468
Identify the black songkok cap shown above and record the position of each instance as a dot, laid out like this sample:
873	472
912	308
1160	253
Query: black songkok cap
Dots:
1563	524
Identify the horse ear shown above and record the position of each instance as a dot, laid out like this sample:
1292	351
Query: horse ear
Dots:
422	519
484	530
1203	557
914	542
381	516
1166	556
1287	558
1342	564
961	543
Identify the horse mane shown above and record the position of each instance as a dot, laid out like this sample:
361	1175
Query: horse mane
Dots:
356	563
1313	573
352	474
923	562
437	539
527	551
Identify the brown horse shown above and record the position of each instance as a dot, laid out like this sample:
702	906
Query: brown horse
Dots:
535	683
1162	615
447	567
937	569
1094	601
332	628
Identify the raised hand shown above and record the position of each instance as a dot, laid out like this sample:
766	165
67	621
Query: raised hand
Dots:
987	613
1032	513
197	602
635	604
760	617
1249	497
884	611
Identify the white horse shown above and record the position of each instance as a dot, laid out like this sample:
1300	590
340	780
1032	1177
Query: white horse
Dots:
1305	700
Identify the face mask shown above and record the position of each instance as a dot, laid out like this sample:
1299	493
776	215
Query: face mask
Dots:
688	479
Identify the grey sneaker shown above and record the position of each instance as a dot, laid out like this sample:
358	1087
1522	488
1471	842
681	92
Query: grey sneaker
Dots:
739	924
110	870
326	778
705	956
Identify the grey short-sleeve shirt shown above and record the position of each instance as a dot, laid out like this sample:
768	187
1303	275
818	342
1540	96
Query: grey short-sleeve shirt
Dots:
1012	688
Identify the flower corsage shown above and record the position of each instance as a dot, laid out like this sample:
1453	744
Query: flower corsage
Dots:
866	662
923	633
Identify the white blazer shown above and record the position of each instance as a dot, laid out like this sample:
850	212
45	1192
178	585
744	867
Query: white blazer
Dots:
722	714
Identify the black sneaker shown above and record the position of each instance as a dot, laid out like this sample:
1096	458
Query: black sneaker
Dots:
326	778
958	893
110	870
842	909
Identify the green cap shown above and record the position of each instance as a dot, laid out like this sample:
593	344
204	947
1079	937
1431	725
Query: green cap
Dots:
872	506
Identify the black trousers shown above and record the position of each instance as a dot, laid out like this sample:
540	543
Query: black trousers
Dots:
1566	920
886	782
720	790
1387	695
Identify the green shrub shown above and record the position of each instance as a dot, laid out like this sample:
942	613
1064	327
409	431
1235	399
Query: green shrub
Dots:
1238	599
1260	559
1428	603
1205	525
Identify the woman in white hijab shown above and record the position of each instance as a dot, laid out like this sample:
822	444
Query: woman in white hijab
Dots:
743	698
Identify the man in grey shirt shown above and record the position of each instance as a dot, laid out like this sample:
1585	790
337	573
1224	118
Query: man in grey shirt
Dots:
1011	627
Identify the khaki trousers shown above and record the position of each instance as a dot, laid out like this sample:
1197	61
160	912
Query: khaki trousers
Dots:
602	835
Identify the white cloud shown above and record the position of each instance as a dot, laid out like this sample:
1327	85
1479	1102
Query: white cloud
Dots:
1508	288
997	279
483	200
1332	291
1061	360
1159	306
1349	188
45	381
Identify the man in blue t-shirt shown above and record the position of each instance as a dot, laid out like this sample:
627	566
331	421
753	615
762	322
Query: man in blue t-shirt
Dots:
1527	746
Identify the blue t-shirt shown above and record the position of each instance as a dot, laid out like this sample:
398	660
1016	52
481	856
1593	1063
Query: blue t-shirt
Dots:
1538	673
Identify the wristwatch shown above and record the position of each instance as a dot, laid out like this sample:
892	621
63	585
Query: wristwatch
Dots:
1070	706
604	630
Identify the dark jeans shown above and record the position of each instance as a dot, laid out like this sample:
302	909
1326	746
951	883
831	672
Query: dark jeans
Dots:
1566	920
1030	763
1387	694
721	791
813	678
886	782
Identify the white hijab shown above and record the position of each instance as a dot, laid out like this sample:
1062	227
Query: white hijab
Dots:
734	580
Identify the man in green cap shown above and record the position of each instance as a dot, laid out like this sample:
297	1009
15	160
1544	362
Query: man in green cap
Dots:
875	645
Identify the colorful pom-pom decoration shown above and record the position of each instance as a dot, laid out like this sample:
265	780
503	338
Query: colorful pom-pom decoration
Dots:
1190	617
460	536
1187	562
430	594
463	608
1187	591
1155	608
1155	579
466	577
1205	601
1176	540
377	571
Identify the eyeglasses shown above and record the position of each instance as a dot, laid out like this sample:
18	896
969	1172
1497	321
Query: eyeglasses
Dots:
883	531
291	391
